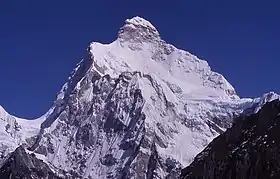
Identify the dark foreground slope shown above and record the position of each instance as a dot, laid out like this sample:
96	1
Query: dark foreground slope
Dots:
21	165
250	149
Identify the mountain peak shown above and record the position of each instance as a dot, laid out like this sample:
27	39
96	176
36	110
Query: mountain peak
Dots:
137	29
139	21
140	48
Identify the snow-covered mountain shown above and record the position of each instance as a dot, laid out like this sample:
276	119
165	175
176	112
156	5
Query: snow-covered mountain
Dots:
135	108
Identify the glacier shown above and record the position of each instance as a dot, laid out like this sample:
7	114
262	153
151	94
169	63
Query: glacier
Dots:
137	107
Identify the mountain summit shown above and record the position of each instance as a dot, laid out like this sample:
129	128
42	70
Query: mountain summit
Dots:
140	48
135	108
138	30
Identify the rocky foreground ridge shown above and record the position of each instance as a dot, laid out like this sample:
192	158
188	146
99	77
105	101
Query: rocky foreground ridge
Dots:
249	149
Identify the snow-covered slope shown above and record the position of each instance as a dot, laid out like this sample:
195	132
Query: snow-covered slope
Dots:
135	108
140	48
14	131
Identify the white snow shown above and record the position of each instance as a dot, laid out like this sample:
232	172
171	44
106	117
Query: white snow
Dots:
191	75
39	156
14	131
138	21
186	103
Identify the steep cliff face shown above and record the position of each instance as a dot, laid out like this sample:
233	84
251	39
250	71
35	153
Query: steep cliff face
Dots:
135	108
20	165
250	149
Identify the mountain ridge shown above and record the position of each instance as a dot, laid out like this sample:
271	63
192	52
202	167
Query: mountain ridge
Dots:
129	106
249	149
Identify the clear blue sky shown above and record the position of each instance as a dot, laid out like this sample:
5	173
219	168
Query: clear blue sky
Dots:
41	41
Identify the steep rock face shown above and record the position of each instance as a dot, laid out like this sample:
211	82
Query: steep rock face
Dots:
135	108
250	149
101	126
20	165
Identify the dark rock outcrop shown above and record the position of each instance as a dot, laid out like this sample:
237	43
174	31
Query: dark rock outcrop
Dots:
248	150
21	165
